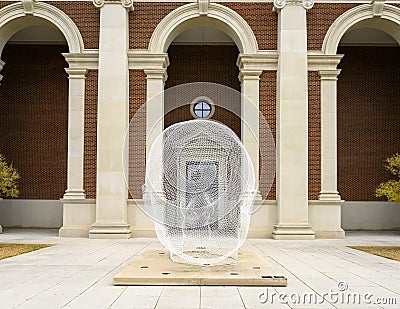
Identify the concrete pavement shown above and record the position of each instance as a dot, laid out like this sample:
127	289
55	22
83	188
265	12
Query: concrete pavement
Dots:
78	273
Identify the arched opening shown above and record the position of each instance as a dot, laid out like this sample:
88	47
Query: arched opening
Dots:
34	107
204	54
368	113
227	21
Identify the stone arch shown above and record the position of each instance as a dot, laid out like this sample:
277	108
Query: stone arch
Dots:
217	16
388	20
17	16
222	18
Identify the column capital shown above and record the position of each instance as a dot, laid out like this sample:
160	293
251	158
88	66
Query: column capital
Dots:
329	74
262	61
128	4
156	74
247	74
76	73
280	4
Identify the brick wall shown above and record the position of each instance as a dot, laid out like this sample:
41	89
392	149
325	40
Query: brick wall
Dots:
147	16
368	118
262	20
320	18
137	138
268	110
34	118
5	3
214	64
90	135
86	17
314	135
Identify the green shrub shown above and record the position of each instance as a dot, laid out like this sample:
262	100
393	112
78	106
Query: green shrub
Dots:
391	188
8	179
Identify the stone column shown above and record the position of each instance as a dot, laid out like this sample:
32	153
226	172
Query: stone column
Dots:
329	136
154	104
112	121
292	122
155	113
76	110
250	81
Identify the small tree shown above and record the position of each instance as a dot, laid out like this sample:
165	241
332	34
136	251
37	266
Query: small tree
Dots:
391	188
8	179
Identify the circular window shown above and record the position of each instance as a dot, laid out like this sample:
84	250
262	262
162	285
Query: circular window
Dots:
202	107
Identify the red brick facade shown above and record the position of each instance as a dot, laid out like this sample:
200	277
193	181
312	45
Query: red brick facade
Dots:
5	3
268	110
368	118
145	18
34	120
314	135
262	20
90	137
320	18
86	17
137	140
367	95
214	64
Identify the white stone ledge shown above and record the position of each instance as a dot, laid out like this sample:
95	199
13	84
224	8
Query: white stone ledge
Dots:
79	215
89	59
370	216
31	213
142	59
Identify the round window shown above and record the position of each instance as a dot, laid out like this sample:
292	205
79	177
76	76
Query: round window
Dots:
202	108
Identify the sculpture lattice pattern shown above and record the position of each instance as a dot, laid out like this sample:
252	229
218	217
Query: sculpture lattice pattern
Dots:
199	191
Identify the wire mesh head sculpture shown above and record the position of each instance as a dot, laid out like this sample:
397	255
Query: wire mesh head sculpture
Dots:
199	190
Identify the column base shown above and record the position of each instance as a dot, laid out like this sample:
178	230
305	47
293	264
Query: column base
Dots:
329	196
103	230
330	234
293	232
78	217
74	195
69	231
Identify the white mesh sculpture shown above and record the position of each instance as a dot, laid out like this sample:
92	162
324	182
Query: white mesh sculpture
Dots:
199	190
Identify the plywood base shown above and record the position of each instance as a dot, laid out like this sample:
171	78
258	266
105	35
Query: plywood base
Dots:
156	268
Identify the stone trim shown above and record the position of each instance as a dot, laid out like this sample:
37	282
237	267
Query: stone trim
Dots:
42	10
184	18
263	60
144	60
280	4
89	59
128	4
321	62
354	16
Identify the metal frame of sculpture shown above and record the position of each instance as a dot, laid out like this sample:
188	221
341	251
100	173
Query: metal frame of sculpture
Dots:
199	190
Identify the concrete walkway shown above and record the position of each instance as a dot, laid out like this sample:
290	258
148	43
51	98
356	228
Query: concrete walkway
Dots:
78	273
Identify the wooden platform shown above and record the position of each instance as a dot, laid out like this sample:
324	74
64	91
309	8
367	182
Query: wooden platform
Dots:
156	268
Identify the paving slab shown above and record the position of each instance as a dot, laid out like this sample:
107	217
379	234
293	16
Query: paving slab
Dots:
74	271
156	268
